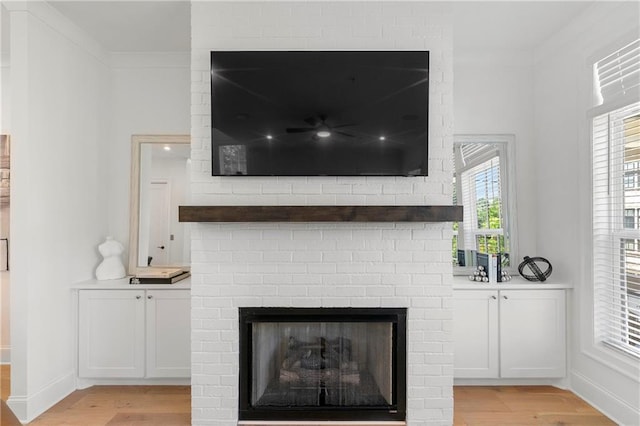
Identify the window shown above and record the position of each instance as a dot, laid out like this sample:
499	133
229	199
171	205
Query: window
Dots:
631	171
616	201
630	218
481	186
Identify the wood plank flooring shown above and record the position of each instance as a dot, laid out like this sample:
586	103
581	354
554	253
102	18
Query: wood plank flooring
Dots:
120	406
522	405
171	406
5	377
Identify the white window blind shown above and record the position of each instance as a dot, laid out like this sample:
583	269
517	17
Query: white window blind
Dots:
616	234
619	73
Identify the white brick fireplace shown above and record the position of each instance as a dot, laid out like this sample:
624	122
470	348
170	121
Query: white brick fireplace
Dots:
317	264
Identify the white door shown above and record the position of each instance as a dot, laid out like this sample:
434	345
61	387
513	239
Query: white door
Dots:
160	197
475	333
111	333
168	333
532	333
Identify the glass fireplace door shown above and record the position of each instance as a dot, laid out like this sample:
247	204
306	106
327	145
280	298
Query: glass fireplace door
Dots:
316	365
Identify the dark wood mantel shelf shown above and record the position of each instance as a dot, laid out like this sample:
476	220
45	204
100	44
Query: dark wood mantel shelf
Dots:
320	213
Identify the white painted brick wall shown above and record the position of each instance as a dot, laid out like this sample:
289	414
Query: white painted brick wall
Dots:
315	265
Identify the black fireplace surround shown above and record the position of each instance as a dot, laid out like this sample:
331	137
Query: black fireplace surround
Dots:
322	364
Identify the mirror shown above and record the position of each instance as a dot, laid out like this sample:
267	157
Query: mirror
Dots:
160	176
484	185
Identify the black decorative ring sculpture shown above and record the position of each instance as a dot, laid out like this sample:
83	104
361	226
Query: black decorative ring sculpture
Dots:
538	275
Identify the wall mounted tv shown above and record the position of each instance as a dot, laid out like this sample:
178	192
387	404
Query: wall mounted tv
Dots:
319	113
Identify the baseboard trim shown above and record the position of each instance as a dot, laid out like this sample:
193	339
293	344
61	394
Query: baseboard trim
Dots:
87	383
5	354
27	408
558	383
610	405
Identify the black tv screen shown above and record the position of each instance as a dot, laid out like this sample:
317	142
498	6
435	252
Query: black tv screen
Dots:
319	113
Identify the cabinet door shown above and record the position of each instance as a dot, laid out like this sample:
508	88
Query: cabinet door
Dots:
168	333
475	333
111	333
532	333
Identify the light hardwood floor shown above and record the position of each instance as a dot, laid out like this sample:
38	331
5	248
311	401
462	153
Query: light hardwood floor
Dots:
522	405
171	406
5	376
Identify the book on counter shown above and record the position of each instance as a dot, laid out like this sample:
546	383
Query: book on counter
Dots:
160	276
492	265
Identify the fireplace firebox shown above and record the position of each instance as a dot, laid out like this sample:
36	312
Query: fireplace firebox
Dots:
322	364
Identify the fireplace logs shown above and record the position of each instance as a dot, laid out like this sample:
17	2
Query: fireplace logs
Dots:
323	361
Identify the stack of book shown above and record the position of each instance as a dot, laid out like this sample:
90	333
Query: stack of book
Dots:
159	276
492	265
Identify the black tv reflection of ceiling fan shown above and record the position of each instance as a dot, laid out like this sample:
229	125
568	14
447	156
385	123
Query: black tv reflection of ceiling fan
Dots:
320	128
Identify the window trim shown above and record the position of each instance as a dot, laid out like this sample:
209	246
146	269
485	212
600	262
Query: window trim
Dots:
598	351
508	177
600	106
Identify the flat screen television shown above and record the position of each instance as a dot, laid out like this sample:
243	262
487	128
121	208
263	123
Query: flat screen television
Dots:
319	113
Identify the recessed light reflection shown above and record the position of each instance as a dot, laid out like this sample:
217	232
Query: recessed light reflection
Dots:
382	138
167	148
269	137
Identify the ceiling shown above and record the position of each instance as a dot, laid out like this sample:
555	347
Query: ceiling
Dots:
164	26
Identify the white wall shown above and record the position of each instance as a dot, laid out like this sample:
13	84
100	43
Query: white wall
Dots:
150	96
60	126
562	90
5	113
493	94
5	128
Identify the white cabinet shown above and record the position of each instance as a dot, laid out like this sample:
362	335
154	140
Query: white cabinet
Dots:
509	333
475	333
111	333
168	333
134	333
532	333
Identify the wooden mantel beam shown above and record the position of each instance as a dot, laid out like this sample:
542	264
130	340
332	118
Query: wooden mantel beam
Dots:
320	213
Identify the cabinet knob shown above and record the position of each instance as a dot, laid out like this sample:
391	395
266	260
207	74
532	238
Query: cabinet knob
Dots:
138	297
493	297
149	297
505	297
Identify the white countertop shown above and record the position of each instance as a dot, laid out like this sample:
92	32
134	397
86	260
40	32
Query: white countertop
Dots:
123	284
462	282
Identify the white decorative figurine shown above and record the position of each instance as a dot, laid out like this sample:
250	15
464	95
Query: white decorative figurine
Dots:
111	267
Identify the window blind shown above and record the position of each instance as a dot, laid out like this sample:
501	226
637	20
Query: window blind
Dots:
619	73
616	238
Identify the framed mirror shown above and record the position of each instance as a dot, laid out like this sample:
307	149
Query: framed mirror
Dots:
484	183
160	176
